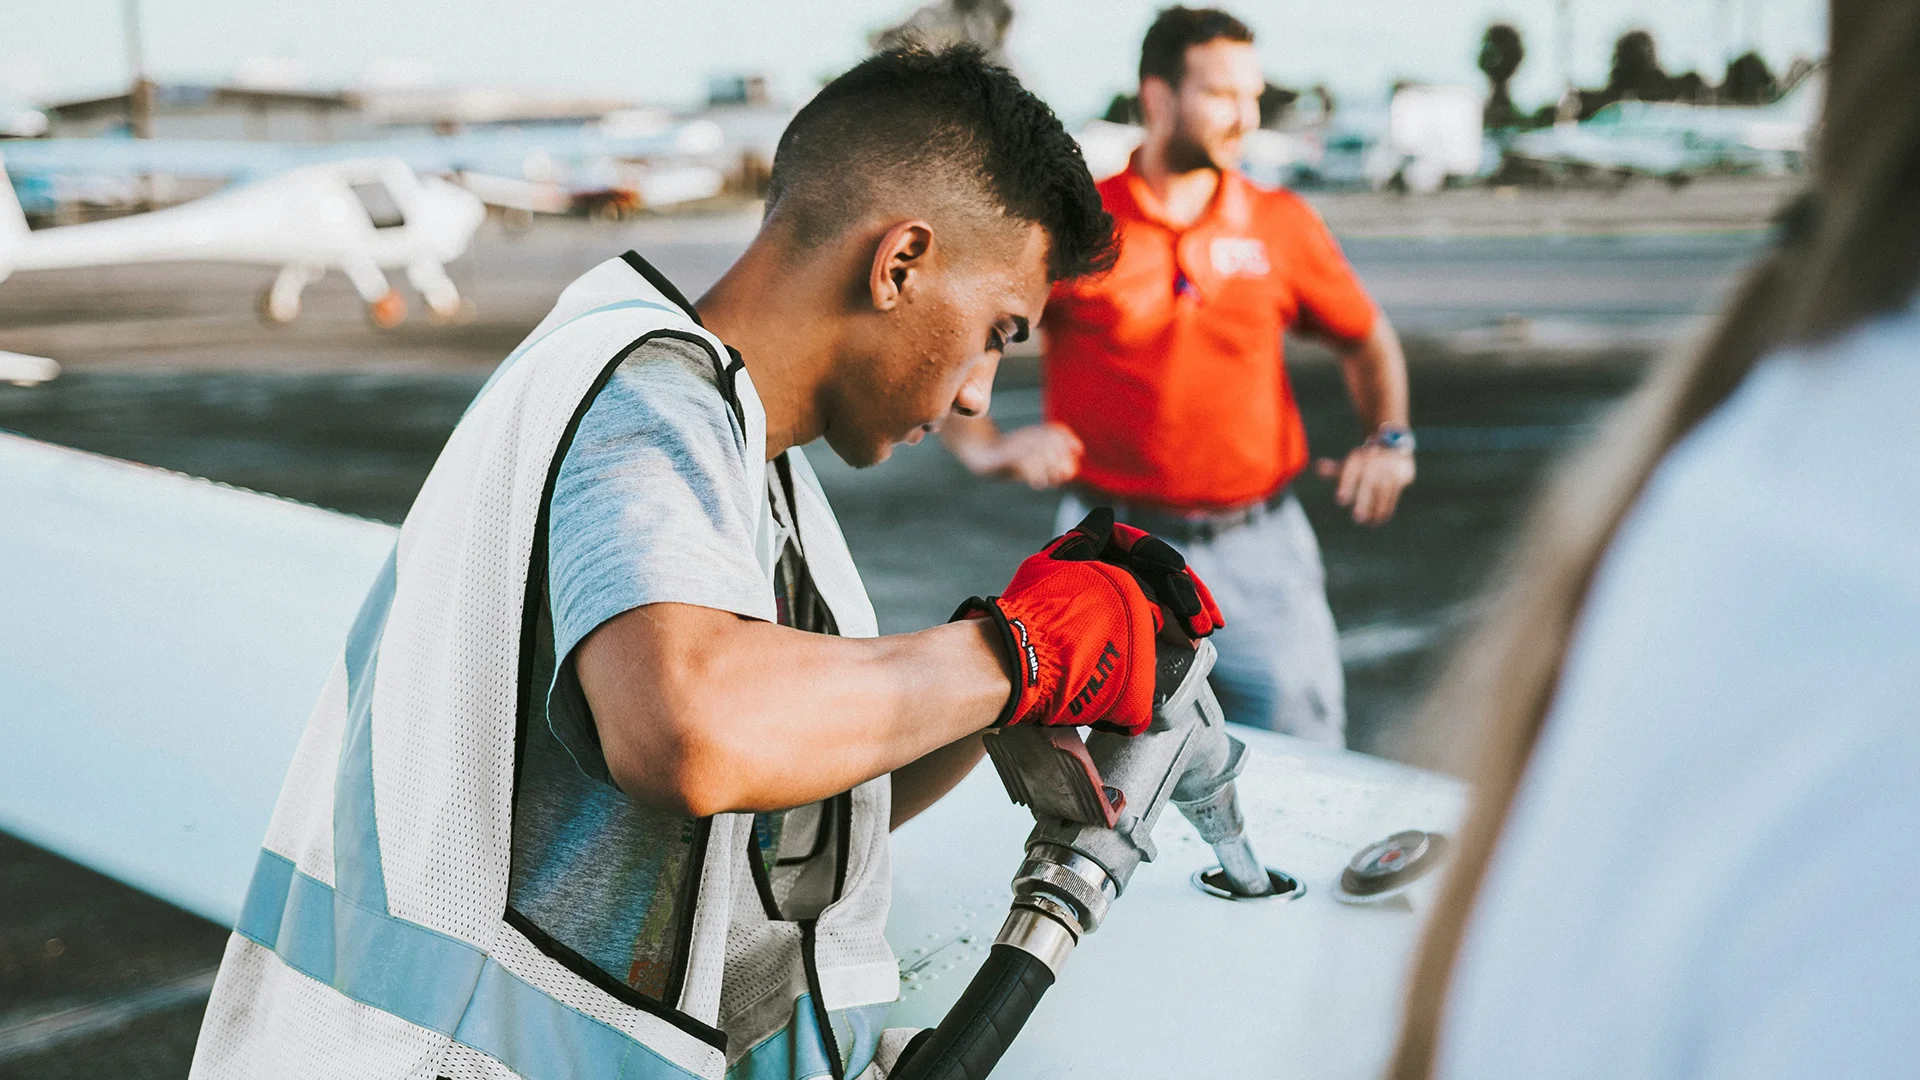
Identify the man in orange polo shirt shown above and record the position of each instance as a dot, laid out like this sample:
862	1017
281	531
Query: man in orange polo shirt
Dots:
1166	396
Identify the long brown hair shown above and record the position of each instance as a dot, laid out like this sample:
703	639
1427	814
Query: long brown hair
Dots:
1848	249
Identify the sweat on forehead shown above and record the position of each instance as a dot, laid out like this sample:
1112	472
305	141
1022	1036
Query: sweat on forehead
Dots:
943	135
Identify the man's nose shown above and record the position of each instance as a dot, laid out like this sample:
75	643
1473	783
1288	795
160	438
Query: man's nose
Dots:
1249	116
976	394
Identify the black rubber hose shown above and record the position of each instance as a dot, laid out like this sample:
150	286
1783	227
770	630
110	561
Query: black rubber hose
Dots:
978	1029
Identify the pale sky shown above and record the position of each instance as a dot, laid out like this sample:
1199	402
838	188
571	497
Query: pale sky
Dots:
1075	53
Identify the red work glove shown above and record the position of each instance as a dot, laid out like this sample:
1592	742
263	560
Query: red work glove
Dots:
1079	621
1160	570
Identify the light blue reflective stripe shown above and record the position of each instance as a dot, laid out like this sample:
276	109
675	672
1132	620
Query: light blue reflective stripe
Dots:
356	831
514	356
343	936
796	1052
435	981
864	1024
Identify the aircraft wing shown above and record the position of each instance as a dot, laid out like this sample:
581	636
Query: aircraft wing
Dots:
506	153
161	643
164	638
170	157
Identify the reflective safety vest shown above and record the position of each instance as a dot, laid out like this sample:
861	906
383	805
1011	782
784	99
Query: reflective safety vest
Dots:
375	940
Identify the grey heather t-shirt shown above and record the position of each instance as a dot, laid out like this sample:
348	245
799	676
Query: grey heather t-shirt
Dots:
651	505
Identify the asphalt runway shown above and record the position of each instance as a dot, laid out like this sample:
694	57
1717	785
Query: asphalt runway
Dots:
1519	346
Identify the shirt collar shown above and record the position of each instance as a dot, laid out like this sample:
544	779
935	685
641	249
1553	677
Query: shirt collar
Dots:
1231	205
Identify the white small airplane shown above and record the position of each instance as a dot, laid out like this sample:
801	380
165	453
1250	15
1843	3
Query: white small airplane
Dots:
359	217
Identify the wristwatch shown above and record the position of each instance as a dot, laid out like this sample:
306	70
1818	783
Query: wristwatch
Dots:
1393	437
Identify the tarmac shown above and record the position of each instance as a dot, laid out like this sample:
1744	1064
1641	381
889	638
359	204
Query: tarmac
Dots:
1527	316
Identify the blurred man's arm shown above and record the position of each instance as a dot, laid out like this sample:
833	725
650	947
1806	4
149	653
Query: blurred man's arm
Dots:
1372	476
1040	455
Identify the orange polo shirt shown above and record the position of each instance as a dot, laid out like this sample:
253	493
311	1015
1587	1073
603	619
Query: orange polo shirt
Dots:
1169	368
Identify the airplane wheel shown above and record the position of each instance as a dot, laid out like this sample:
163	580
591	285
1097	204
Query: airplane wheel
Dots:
461	315
277	315
389	311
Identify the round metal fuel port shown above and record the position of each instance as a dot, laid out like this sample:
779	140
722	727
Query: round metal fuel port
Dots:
1214	882
1386	869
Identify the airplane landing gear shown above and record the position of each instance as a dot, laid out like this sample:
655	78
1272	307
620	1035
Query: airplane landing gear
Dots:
389	310
460	314
445	305
280	303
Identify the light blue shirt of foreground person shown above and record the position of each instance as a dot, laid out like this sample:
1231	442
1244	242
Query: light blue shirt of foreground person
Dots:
1709	869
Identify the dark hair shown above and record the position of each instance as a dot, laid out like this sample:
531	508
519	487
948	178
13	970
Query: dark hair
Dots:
948	126
1164	53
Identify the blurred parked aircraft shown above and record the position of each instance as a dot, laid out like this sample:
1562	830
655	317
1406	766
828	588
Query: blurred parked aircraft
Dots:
358	217
1425	136
1677	141
626	160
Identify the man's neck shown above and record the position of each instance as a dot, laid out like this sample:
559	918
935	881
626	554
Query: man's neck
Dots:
1184	194
775	318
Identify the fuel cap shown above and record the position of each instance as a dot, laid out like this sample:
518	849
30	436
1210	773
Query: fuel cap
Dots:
1385	870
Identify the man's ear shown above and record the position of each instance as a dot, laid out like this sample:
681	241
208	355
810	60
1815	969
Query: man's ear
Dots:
1156	102
901	254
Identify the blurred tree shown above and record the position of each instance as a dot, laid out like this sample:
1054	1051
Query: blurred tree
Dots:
1749	81
1275	103
1500	54
1123	109
1637	76
951	22
1636	69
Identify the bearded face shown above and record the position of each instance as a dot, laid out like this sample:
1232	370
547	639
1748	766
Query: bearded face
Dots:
1205	118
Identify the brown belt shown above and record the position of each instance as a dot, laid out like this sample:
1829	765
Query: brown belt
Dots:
1183	526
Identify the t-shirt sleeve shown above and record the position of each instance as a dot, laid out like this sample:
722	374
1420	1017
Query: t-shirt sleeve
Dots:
651	506
1331	298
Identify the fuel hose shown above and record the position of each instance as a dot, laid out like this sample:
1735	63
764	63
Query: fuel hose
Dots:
976	1032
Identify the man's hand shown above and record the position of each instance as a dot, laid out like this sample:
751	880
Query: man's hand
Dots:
1079	621
1373	476
1371	479
1040	456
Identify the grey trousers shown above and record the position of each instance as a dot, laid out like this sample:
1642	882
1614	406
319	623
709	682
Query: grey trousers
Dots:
1279	665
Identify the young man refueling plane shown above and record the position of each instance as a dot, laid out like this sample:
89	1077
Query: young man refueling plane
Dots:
603	781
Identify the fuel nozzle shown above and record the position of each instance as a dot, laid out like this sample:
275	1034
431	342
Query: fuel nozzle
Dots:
1095	803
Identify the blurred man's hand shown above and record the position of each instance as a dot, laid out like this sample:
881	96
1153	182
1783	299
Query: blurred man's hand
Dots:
1371	479
1040	456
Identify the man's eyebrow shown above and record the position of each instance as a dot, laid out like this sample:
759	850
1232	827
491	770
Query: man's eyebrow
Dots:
1019	329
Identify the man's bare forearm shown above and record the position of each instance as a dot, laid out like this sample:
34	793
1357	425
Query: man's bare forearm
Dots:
1376	375
919	784
702	711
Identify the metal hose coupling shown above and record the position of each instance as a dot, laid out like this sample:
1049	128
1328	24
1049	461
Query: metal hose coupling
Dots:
1059	895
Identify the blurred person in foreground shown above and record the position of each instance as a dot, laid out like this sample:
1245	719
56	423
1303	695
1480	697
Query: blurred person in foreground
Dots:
1689	852
1166	394
603	781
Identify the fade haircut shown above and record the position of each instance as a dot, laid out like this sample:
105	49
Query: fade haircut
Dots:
945	132
1163	54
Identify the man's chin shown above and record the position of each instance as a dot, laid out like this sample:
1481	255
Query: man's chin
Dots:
860	455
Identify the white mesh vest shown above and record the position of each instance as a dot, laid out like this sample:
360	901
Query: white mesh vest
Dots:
375	939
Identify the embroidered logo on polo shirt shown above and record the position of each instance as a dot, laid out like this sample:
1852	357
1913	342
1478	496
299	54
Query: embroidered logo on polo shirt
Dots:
1239	256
